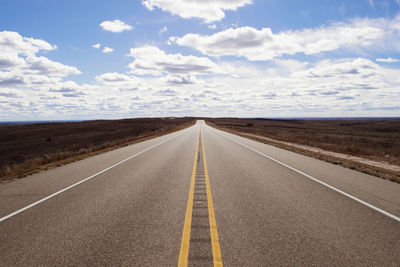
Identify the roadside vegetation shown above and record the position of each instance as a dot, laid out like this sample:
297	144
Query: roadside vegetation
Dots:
373	139
28	148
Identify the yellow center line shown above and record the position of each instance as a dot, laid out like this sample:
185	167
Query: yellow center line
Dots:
216	249
185	243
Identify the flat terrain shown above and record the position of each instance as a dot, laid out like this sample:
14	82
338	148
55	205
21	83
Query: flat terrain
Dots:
132	210
27	147
374	139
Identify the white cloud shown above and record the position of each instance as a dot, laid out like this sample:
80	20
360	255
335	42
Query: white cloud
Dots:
113	77
330	77
107	49
388	60
165	29
44	66
152	60
11	43
65	87
19	64
263	44
32	86
245	41
207	10
172	40
121	82
115	26
35	71
35	85
181	79
96	45
212	26
167	92
10	60
9	93
291	65
342	87
9	78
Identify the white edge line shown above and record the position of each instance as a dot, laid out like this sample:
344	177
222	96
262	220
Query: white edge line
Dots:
82	181
394	217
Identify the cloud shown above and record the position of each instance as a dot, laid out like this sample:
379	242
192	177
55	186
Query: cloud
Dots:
290	65
329	92
181	79
152	60
12	43
115	26
343	69
121	82
11	79
107	49
165	29
270	95
7	93
44	66
162	84
346	97
324	87
167	92
208	11
387	60
96	45
113	77
35	81
73	94
63	87
334	77
212	26
263	44
20	65
10	60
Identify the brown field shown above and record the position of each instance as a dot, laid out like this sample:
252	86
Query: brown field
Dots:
374	139
27	148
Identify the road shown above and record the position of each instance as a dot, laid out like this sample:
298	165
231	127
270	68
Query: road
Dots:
200	200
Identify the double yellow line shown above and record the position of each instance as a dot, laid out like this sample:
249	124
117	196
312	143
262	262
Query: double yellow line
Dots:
185	243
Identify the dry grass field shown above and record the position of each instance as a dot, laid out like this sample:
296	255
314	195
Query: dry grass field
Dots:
26	148
375	139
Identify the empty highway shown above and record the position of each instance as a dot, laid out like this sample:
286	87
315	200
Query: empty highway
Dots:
200	197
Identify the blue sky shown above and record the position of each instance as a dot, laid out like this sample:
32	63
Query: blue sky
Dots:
268	58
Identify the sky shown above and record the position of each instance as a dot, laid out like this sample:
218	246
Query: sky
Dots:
102	59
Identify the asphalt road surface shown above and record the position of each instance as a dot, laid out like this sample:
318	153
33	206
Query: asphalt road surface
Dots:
200	200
